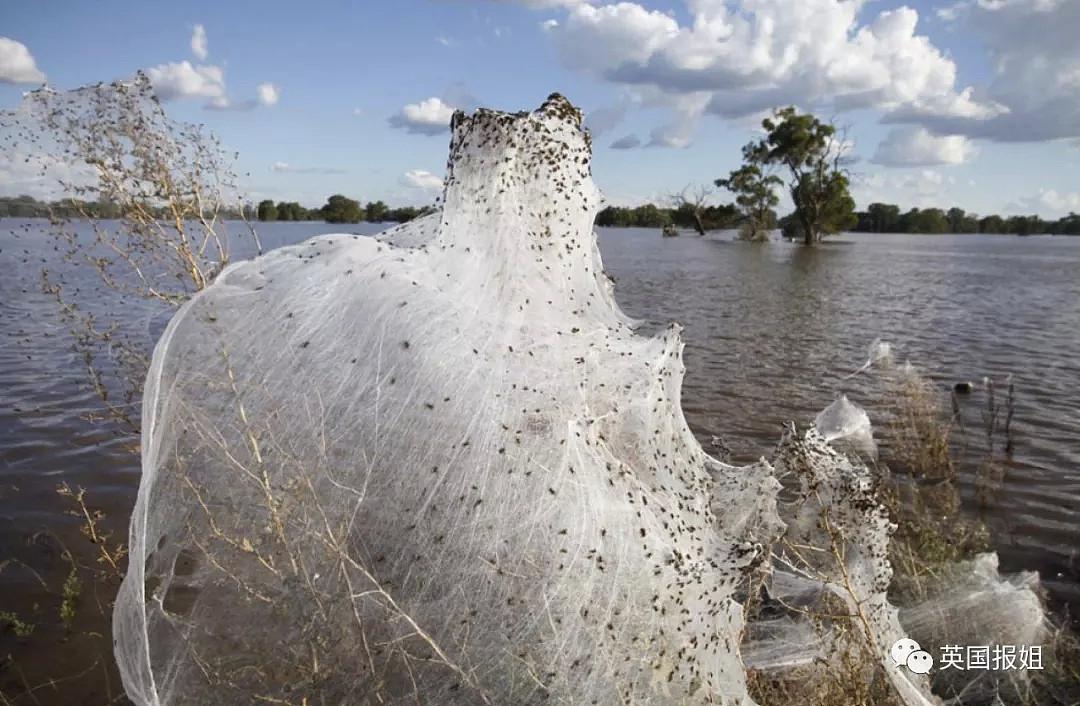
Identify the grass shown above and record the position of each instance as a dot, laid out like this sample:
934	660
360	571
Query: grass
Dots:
58	649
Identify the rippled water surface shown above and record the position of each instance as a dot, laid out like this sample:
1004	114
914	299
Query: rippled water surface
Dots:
771	331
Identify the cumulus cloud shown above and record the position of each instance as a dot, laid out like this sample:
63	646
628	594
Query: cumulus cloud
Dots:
428	117
1032	49
761	50
268	93
182	80
17	64
421	179
678	134
604	38
179	80
628	142
286	167
914	146
922	183
749	56
198	43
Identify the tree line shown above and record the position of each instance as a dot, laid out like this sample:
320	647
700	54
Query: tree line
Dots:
877	218
337	209
30	207
653	216
887	218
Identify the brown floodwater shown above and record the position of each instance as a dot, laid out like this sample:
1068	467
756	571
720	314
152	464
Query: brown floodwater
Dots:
772	333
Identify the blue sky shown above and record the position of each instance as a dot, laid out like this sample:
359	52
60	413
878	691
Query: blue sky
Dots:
973	103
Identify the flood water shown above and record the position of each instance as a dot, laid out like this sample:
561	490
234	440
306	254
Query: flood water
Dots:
771	332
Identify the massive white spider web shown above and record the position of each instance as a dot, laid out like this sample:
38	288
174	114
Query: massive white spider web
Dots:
440	467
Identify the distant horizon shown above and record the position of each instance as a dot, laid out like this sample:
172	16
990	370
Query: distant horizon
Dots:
880	218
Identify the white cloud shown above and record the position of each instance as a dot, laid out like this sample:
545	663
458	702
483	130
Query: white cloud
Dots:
922	188
1032	50
949	13
17	65
198	43
628	142
182	80
603	38
421	179
1049	201
914	146
924	182
268	93
179	80
429	117
748	56
678	133
445	41
358	112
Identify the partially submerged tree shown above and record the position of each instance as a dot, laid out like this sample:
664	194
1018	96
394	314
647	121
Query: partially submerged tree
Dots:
693	203
377	211
342	209
267	210
755	196
813	157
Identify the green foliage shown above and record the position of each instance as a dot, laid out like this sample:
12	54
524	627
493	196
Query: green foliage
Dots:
879	218
652	216
645	216
755	196
886	218
12	622
71	591
341	209
267	211
377	211
292	211
807	149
